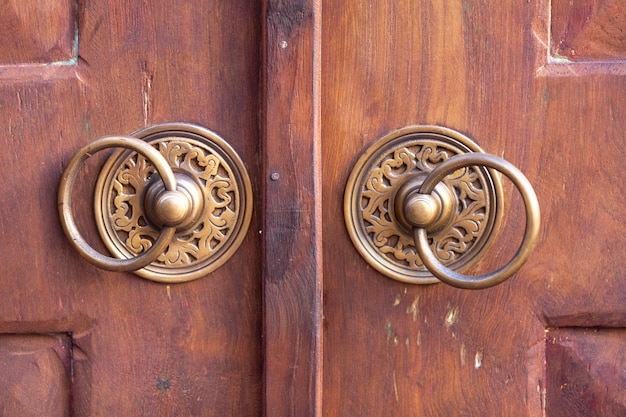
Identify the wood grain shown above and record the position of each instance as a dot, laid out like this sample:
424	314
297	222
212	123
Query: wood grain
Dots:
396	350
292	276
38	31
300	94
585	372
36	375
589	30
141	348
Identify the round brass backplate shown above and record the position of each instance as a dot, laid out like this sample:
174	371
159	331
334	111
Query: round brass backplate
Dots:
211	232
401	160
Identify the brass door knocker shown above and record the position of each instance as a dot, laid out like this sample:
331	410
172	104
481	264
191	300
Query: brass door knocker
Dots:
173	205
425	202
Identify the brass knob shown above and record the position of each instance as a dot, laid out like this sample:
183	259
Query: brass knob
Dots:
172	205
172	208
425	202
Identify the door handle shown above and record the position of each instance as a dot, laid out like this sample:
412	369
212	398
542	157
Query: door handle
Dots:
424	202
172	205
65	204
426	208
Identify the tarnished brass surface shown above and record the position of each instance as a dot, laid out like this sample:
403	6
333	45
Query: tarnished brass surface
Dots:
531	233
465	209
212	206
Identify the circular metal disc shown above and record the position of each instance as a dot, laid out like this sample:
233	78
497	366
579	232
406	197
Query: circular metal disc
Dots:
370	195
200	156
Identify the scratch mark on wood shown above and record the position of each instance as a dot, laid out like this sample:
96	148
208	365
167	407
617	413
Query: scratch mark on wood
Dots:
452	317
541	390
414	309
391	335
86	125
395	387
463	354
79	76
146	93
478	359
396	301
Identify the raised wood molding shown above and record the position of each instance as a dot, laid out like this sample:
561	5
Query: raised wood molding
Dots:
38	32
292	273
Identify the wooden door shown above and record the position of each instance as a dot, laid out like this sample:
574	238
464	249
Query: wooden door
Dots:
542	84
77	340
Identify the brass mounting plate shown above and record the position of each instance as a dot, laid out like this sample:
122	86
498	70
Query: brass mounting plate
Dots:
197	156
405	156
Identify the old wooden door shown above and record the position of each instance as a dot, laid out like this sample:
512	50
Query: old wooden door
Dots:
542	84
77	340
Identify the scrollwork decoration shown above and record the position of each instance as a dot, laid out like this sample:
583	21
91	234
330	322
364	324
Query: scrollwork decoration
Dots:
219	189
370	199
217	181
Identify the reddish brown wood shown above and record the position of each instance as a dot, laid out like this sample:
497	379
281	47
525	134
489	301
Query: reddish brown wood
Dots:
395	350
140	348
292	275
588	30
331	84
585	372
36	375
37	32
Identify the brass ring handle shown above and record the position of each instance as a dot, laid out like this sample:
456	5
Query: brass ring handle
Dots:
172	205
65	203
423	207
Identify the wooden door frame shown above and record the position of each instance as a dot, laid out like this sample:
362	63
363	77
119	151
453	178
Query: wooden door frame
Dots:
291	206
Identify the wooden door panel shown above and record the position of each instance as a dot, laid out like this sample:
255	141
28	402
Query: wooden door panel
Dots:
38	373
292	224
37	32
587	31
485	70
139	348
539	83
585	372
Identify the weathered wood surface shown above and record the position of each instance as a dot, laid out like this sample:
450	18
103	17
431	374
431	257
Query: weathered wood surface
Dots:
300	88
395	350
36	375
292	229
140	348
585	372
38	31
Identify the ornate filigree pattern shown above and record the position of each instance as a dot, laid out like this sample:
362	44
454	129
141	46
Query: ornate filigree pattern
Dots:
371	192
214	232
377	199
207	236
